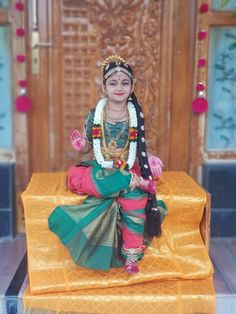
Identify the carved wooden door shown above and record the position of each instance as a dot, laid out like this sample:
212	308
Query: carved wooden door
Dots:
75	36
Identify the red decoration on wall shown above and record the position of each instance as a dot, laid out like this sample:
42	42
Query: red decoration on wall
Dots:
23	103
19	6
201	63
200	87
20	58
202	35
204	7
200	105
22	83
20	32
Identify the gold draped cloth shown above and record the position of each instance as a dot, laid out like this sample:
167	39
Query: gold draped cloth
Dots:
175	272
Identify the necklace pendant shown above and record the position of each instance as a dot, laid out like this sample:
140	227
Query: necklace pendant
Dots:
112	144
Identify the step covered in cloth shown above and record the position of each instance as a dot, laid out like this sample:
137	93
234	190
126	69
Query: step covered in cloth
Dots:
179	254
162	297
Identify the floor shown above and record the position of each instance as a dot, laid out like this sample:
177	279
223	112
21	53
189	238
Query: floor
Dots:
13	271
13	277
223	256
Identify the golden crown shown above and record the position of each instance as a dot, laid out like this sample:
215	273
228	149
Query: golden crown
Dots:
110	59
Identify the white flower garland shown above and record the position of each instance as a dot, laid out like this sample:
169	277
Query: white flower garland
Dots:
97	141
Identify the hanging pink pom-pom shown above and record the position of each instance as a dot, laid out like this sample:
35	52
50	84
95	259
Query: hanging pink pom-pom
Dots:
200	87
19	6
200	105
22	83
20	58
23	103
201	63
202	35
20	32
204	7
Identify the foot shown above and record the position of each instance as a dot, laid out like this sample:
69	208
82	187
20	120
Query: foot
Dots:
131	267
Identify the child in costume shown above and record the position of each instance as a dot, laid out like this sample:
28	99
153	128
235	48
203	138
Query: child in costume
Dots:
108	229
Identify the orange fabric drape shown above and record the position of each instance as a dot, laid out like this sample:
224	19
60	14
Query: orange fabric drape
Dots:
175	271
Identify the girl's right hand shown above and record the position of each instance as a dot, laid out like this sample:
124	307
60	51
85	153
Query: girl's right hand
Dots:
77	140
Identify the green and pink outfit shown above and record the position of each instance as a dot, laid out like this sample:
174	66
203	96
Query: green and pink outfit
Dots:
109	227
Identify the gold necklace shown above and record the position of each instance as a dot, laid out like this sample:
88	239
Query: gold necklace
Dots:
109	155
111	118
112	144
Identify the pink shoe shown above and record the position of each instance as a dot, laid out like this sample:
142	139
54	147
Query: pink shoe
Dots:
131	267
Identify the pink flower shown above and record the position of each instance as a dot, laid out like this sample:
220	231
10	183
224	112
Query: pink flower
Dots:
23	103
201	63
133	134
200	105
200	87
204	7
118	163
20	58
22	83
19	6
202	35
20	32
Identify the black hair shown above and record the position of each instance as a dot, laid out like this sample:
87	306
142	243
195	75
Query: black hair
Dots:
125	68
153	224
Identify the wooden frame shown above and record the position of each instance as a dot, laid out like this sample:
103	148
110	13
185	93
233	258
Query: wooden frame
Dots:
174	141
199	154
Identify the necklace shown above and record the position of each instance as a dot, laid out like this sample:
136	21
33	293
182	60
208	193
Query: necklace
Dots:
112	144
110	154
112	119
97	135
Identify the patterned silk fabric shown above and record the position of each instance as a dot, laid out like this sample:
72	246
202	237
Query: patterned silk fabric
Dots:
157	297
178	255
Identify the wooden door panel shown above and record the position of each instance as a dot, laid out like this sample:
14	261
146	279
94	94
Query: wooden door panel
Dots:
84	33
38	117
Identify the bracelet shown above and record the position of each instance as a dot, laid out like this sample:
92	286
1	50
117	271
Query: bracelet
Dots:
135	181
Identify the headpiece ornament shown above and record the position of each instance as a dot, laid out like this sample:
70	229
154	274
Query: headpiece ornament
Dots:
110	59
114	64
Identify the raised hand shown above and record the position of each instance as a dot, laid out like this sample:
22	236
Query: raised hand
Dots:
77	140
156	166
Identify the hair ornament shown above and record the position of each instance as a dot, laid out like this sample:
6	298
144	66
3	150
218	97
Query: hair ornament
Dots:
114	64
110	59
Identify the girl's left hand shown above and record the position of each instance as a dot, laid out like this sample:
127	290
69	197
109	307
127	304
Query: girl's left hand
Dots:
156	166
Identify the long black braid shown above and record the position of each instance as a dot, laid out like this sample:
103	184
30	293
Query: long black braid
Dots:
153	224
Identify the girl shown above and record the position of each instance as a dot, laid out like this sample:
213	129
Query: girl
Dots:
121	209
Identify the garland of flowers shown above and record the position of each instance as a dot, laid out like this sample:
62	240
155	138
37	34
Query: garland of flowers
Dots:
22	102
200	103
97	137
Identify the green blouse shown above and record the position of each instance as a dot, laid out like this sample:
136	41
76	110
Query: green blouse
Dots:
118	131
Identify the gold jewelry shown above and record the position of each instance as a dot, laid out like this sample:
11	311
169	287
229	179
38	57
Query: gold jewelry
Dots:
123	117
135	181
112	145
120	66
110	59
111	155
